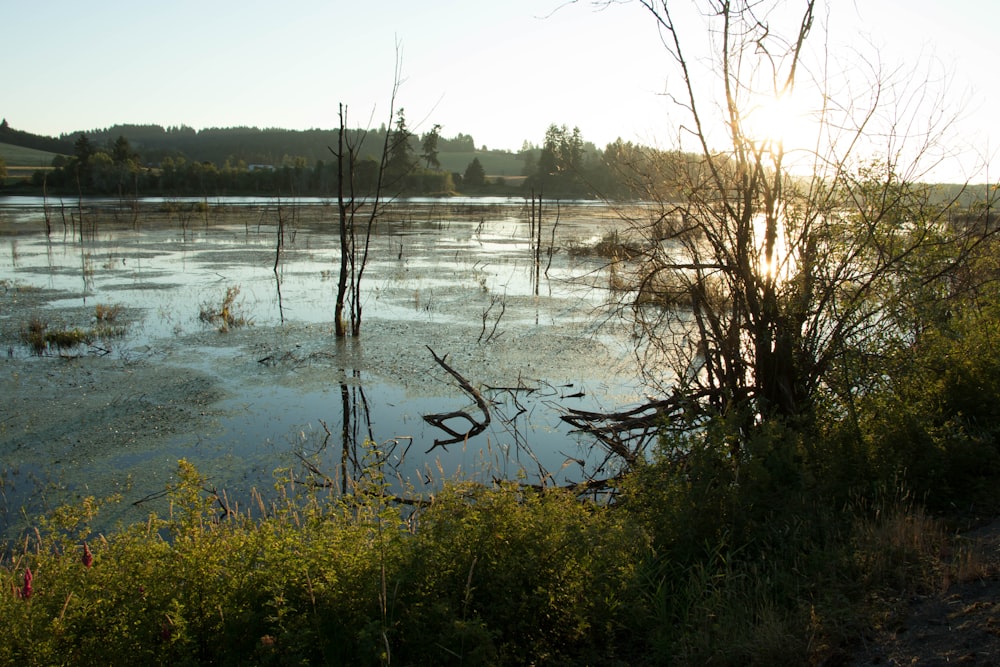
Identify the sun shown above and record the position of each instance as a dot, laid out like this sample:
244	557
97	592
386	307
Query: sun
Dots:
783	122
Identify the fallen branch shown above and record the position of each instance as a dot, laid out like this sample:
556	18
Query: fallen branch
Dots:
627	433
438	420
325	482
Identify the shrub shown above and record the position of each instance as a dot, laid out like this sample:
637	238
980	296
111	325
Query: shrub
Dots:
481	576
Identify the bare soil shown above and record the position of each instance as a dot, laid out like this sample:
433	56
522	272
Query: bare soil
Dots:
957	625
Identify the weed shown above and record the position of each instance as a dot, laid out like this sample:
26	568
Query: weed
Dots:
107	313
228	316
34	335
610	246
41	338
495	575
66	339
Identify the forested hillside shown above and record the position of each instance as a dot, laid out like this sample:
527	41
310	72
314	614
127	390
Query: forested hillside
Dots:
156	160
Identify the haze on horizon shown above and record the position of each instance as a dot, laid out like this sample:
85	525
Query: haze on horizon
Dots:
500	72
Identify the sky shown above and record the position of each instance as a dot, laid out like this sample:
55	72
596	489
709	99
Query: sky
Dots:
501	72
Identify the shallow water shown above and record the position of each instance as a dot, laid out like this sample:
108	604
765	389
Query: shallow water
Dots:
457	278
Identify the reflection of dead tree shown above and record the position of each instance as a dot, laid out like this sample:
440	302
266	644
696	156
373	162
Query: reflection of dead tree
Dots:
439	420
320	479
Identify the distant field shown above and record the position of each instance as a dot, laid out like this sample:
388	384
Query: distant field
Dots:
16	156
23	162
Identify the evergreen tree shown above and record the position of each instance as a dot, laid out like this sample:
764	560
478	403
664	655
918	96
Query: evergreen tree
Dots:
400	162
475	175
430	146
83	149
121	151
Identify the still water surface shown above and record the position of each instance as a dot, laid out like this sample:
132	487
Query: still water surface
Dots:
458	277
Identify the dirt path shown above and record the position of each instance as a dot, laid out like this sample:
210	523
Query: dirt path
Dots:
958	625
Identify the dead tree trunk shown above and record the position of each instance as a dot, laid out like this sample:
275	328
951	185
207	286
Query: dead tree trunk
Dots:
338	310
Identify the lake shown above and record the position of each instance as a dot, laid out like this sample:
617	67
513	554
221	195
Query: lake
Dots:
456	278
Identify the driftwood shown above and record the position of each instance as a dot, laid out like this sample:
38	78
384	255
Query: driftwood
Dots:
576	488
476	427
627	434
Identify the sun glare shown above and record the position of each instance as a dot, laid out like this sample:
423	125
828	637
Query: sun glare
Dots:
784	121
782	264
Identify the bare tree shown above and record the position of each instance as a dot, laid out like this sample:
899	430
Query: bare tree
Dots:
354	243
754	283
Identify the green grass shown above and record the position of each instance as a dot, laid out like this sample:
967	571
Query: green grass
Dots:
479	577
18	156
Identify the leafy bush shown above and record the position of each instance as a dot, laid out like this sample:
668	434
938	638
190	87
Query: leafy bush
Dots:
481	576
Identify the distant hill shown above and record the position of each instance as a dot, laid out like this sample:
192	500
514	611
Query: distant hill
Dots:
19	156
276	146
272	146
9	135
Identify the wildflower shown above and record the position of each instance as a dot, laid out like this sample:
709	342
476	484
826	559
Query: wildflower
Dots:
88	558
26	589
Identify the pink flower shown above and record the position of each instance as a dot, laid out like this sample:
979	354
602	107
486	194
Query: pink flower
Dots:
26	589
88	558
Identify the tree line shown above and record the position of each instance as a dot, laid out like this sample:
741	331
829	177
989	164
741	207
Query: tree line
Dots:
142	160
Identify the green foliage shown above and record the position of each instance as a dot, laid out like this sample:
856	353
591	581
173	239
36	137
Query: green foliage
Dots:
936	422
507	576
482	576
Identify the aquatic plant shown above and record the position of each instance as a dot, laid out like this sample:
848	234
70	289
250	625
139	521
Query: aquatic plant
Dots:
229	313
41	338
107	313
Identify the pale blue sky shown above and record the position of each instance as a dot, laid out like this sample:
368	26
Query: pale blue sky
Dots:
500	71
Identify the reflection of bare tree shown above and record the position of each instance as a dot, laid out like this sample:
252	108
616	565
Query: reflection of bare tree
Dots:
355	430
512	411
361	457
356	427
